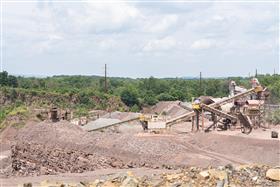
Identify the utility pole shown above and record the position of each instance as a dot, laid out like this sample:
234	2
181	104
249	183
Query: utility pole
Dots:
200	83
105	79
256	73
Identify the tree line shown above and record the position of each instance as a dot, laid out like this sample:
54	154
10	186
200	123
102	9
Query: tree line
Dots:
135	93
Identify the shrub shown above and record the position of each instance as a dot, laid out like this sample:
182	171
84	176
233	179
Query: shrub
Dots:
274	117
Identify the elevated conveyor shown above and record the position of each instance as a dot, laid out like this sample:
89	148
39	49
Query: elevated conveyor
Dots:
114	124
210	108
213	105
218	112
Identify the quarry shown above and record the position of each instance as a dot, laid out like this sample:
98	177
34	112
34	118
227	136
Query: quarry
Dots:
149	93
209	142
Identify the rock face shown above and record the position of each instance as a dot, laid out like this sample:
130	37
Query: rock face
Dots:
273	174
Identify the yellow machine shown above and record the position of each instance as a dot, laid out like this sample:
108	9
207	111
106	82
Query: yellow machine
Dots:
258	89
152	122
196	104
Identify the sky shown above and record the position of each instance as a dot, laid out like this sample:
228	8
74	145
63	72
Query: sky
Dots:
140	39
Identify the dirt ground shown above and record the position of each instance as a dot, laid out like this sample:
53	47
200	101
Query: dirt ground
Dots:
52	150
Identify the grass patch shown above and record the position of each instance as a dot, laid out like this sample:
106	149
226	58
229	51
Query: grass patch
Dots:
21	110
10	111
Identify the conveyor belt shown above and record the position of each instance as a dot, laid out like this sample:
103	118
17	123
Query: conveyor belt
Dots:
230	99
115	124
180	118
213	105
218	112
191	114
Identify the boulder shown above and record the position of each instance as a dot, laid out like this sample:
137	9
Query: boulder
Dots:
273	174
220	183
218	174
204	174
171	177
130	182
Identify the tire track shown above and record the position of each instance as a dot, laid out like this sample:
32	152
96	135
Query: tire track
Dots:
190	147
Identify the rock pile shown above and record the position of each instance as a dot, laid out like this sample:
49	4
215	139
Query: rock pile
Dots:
44	160
228	176
45	149
51	148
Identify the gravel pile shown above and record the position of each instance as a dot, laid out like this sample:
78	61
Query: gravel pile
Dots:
50	148
61	147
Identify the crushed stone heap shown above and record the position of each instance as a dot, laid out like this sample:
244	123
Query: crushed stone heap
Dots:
62	147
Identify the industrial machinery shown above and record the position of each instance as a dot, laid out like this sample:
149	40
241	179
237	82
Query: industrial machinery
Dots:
246	109
152	123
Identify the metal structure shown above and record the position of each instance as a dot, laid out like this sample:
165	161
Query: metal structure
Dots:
149	123
247	110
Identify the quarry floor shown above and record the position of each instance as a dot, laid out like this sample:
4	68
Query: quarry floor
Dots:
174	149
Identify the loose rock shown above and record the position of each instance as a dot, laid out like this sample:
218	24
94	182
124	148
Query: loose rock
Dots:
204	174
273	174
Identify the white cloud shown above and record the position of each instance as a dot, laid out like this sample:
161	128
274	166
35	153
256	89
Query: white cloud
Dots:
101	30
273	28
163	44
161	24
203	44
55	37
110	16
218	18
108	44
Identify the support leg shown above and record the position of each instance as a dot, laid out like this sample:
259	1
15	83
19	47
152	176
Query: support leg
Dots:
197	120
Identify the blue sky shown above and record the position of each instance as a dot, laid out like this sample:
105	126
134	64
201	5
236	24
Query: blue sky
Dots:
139	39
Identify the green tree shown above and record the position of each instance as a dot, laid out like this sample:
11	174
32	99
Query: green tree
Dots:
130	97
4	78
165	97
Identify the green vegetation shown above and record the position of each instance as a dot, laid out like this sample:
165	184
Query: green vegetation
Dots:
19	113
130	97
84	93
274	117
8	80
